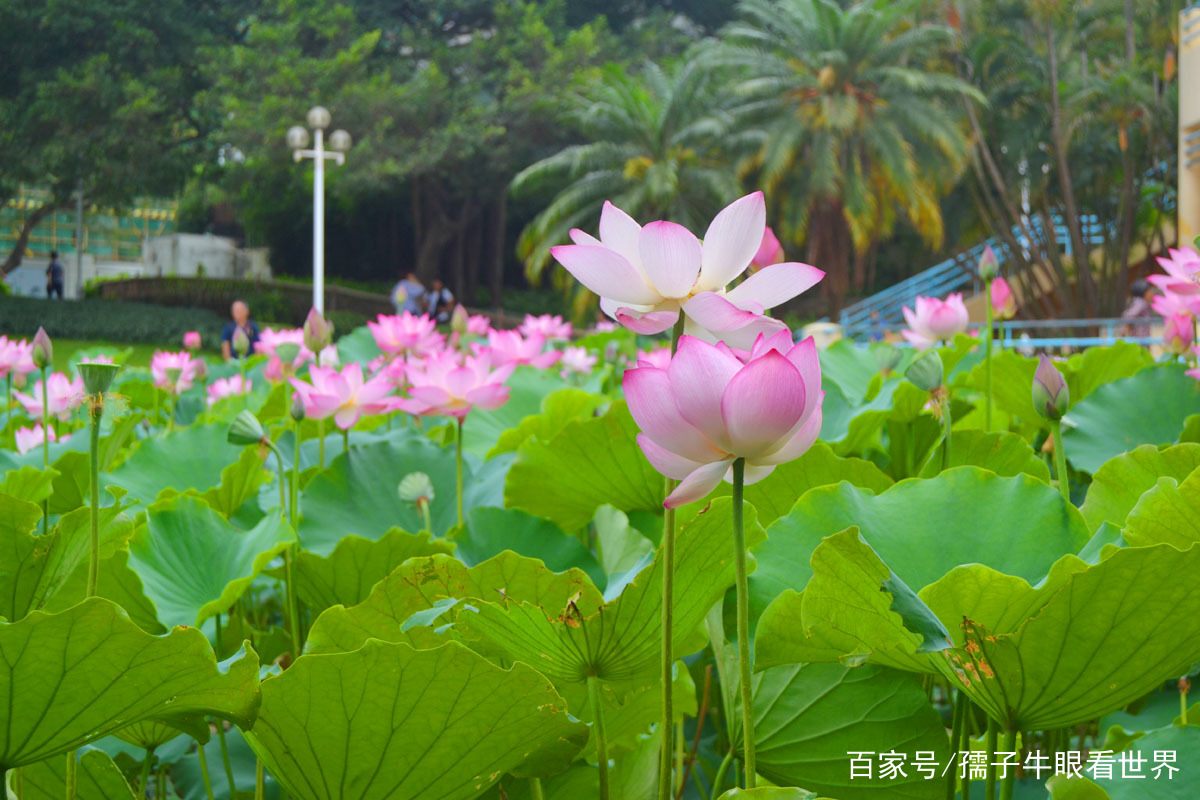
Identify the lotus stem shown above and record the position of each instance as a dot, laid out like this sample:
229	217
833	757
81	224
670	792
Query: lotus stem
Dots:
993	732
225	757
346	442
288	561
458	461
94	484
1010	779
144	779
668	616
72	766
426	513
321	439
8	406
743	624
956	728
1184	685
535	789
987	363
260	780
964	745
1060	460
160	782
293	513
719	778
45	446
593	684
946	426
208	792
154	416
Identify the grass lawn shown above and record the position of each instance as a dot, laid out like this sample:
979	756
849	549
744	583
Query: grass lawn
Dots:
139	354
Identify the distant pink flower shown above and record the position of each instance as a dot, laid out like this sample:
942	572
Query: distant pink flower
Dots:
508	347
659	357
1004	304
232	386
450	384
64	397
935	320
770	251
1179	333
191	340
343	395
1168	304
406	333
551	327
173	372
16	357
646	276
604	326
479	325
29	438
578	360
708	408
269	341
328	357
1183	272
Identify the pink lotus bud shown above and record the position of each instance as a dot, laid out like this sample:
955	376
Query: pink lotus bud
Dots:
1004	305
191	340
1051	397
988	264
241	342
43	350
318	333
1179	332
459	319
770	251
935	320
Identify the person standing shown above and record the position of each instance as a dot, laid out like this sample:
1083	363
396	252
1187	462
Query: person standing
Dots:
240	334
441	302
54	277
409	294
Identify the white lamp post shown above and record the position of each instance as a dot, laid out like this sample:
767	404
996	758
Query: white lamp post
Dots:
339	143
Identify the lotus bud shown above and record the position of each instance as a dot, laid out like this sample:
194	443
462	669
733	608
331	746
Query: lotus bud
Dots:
926	371
415	487
200	369
287	353
43	351
246	429
989	264
1179	332
459	318
97	377
297	409
241	342
887	357
191	340
1050	393
318	333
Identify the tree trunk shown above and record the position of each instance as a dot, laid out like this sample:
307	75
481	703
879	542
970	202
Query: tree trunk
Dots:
830	249
497	243
18	252
474	236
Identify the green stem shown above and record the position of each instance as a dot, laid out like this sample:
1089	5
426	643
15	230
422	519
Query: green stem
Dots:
955	734
321	439
208	792
160	782
743	624
72	766
458	461
987	362
45	446
1060	460
593	684
171	419
426	513
260	780
535	789
225	756
946	425
668	616
346	442
295	482
94	484
1183	708
719	778
288	564
8	405
993	732
1010	779
965	747
144	779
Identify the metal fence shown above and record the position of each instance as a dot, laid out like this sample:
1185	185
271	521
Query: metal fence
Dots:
1046	334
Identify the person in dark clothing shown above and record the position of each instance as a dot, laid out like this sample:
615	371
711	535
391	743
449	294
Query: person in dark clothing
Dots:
440	302
231	344
54	277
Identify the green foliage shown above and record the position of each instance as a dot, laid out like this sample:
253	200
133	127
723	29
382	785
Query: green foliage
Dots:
109	320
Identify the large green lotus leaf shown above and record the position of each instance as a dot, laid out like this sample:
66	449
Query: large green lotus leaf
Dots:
1064	787
854	609
1004	453
556	410
1147	408
850	366
28	483
431	583
96	778
399	723
589	463
150	734
769	793
527	388
346	576
34	568
628	720
836	412
358	345
897	401
194	564
358	493
192	458
1118	484
620	641
1012	384
240	481
490	531
1110	635
1184	784
621	548
116	582
1096	366
924	528
1168	513
73	677
810	718
187	778
775	494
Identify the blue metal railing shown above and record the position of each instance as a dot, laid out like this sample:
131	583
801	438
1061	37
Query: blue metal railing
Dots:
1020	333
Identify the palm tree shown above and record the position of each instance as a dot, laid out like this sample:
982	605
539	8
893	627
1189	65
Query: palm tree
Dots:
651	151
857	123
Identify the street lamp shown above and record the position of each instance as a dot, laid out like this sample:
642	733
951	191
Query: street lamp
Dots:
339	143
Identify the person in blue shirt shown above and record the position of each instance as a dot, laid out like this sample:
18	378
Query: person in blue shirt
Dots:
409	295
54	277
241	322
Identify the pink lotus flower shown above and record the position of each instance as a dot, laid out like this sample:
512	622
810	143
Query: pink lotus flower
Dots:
343	395
770	251
708	407
1004	304
446	383
269	341
508	347
232	386
479	325
578	360
173	372
1179	333
191	340
406	333
646	276
29	438
1183	272
551	327
328	357
604	326
64	397
1168	304
935	320
16	357
659	357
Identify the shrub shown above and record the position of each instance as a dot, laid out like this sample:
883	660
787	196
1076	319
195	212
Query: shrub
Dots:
111	320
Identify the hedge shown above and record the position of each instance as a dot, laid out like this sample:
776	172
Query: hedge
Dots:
110	320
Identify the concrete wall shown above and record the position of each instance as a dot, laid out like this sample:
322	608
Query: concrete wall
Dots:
29	279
